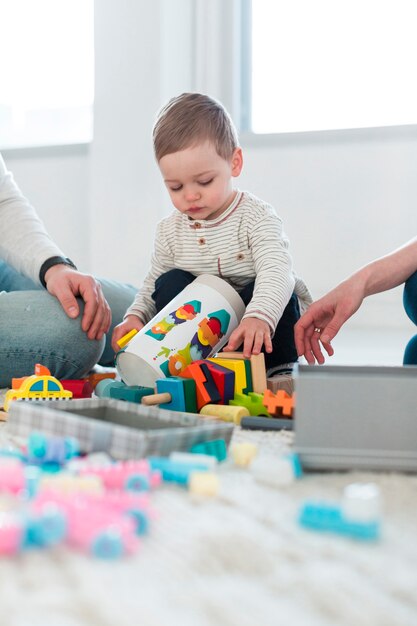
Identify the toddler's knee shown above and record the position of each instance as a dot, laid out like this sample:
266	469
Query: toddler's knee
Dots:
410	353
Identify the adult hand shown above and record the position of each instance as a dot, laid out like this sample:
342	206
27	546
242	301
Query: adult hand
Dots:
132	322
253	333
66	284
323	320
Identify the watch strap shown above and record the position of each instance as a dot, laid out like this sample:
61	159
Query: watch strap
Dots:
53	260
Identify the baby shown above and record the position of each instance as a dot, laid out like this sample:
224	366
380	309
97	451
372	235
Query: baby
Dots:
218	229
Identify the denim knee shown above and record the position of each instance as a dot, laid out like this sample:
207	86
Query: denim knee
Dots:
410	297
35	329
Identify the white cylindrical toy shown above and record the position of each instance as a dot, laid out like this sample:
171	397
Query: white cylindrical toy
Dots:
196	324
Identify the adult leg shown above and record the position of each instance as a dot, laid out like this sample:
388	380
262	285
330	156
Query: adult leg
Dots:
169	285
119	296
283	344
35	329
410	306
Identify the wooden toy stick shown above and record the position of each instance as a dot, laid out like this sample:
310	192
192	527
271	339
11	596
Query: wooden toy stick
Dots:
157	398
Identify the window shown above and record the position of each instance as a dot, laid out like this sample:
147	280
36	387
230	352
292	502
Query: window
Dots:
330	64
47	72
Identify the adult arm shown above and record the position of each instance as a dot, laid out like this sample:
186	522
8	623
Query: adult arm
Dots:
26	245
330	312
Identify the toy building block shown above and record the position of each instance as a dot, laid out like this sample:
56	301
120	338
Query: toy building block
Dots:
276	471
96	377
175	472
227	413
175	394
244	453
281	381
210	462
257	366
104	387
206	389
133	393
279	403
254	402
80	388
224	379
357	517
241	368
203	484
215	447
123	341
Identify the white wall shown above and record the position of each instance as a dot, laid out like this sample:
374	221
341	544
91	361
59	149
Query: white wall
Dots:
345	197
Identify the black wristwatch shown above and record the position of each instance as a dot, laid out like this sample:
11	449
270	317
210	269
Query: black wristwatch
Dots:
53	260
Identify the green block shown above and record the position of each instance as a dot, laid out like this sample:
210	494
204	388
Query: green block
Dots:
251	401
134	393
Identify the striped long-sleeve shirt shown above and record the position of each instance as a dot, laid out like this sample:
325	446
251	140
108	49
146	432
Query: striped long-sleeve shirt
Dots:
245	243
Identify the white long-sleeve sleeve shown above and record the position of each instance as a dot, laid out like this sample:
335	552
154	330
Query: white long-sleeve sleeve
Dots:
24	241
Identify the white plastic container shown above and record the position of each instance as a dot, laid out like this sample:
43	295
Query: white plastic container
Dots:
196	324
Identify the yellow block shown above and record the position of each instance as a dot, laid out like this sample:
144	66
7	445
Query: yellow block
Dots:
244	453
238	366
204	484
226	412
126	338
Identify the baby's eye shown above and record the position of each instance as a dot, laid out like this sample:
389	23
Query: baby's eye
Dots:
205	182
178	188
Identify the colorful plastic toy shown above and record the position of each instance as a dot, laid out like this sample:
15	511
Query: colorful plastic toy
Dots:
174	393
279	403
225	412
257	368
252	401
37	387
216	448
206	389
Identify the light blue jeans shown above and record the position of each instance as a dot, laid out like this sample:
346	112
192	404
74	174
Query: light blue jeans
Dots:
35	329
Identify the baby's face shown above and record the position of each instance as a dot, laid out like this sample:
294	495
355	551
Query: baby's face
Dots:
199	181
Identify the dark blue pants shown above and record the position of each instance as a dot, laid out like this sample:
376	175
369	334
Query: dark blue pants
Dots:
410	306
170	284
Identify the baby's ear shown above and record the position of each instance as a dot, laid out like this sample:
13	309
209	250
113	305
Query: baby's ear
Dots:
237	161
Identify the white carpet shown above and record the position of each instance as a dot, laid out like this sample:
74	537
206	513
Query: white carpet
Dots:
238	560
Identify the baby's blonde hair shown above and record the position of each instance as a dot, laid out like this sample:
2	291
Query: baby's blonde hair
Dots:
192	118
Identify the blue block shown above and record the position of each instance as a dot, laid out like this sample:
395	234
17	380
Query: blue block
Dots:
329	518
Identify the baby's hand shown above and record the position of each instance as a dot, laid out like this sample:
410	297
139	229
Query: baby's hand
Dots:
131	322
253	333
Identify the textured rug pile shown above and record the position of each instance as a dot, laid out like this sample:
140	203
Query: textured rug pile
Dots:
239	559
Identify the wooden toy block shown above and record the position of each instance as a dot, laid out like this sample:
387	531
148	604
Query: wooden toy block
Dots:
282	381
280	403
204	484
224	379
81	388
96	377
258	371
227	413
257	365
254	402
241	368
134	393
123	341
174	393
104	386
206	389
244	453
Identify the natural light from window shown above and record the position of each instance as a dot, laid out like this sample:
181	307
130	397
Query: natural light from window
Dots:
47	72
332	64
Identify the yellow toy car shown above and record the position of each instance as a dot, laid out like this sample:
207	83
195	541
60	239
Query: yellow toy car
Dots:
44	387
